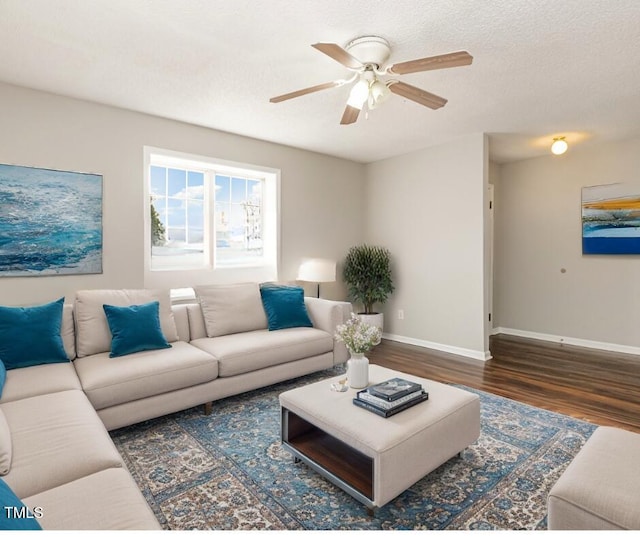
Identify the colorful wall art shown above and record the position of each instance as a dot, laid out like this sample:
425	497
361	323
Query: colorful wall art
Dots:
611	219
50	222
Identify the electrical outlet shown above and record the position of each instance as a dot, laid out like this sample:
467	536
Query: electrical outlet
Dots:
401	314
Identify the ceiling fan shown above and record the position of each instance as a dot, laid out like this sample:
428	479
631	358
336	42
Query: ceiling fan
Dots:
365	57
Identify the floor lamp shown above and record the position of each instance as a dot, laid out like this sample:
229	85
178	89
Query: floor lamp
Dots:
317	271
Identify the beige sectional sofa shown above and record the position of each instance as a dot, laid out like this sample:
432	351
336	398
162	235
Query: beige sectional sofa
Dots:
599	489
61	462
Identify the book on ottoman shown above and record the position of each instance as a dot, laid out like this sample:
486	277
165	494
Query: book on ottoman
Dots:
390	397
394	388
394	408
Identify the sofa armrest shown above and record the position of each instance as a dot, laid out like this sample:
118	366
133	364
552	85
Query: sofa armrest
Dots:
326	315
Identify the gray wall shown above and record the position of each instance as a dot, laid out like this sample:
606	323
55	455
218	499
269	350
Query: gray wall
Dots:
428	208
538	233
322	198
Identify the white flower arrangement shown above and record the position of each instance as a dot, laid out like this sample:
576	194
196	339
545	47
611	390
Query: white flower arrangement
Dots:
357	335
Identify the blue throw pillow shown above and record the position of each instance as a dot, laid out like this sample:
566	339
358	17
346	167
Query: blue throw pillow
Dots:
135	328
31	336
14	515
284	307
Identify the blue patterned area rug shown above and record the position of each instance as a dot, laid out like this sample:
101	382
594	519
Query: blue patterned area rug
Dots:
228	471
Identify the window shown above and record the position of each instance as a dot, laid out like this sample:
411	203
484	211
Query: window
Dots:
177	217
210	214
238	218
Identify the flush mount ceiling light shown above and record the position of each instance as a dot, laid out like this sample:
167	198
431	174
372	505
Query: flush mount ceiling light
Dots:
365	58
559	145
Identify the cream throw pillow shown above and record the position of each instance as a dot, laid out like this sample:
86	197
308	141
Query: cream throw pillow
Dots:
92	329
231	308
6	448
67	331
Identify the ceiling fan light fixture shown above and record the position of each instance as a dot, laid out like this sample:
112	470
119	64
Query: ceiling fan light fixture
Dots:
378	93
359	94
559	145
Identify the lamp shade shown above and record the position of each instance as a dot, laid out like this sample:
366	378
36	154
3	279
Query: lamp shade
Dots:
378	93
317	270
358	94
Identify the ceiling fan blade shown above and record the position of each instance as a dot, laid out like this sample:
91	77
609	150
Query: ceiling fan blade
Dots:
340	55
453	59
304	91
350	115
417	95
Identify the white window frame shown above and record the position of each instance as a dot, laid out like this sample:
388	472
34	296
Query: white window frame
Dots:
257	269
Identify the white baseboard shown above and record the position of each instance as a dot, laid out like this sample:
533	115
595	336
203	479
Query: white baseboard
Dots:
468	353
599	345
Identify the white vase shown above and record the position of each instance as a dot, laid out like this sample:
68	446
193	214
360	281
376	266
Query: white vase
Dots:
358	371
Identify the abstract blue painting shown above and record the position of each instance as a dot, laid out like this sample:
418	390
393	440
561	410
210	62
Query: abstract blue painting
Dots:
50	222
611	219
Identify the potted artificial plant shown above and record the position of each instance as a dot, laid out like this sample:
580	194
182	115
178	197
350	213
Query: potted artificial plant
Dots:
367	274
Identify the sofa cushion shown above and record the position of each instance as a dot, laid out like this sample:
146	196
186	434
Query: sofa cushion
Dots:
6	449
105	500
197	328
31	335
9	499
68	331
250	351
92	330
56	438
136	376
3	376
233	308
39	380
181	318
284	306
135	328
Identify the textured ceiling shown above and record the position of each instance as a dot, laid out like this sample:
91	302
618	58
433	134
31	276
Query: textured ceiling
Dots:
541	68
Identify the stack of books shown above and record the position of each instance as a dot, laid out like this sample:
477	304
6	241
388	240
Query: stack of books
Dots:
391	396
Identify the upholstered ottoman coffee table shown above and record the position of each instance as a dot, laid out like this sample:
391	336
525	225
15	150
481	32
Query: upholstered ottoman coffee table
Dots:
370	457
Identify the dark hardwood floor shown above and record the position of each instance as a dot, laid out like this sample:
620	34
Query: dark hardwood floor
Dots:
596	386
